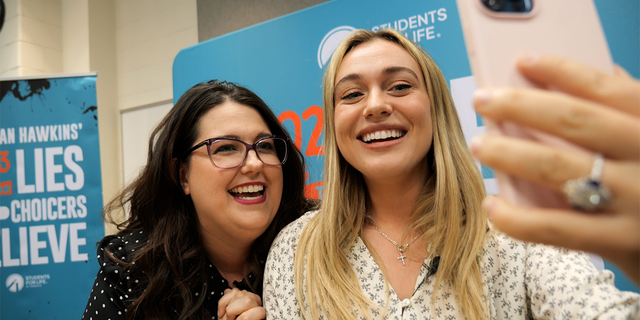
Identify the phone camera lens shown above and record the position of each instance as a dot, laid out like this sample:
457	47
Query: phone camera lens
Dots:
510	6
494	5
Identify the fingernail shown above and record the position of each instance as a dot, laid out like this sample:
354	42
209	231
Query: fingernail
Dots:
529	59
480	97
476	144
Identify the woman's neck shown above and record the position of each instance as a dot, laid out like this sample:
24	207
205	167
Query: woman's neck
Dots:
229	257
394	201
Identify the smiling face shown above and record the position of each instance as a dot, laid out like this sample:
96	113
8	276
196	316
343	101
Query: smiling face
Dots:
382	112
239	203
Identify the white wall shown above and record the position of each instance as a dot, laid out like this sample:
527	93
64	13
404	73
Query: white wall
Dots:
149	34
31	38
137	125
131	44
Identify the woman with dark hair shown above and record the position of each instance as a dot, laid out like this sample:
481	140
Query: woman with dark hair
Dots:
222	178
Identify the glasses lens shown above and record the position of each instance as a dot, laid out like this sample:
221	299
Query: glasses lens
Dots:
272	151
227	153
231	153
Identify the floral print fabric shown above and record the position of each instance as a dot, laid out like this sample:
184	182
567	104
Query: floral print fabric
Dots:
520	280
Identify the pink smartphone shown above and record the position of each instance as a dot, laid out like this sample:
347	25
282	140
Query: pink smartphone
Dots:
496	32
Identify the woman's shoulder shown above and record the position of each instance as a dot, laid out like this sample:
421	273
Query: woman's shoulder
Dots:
293	230
287	240
116	285
121	247
502	242
500	247
279	277
556	280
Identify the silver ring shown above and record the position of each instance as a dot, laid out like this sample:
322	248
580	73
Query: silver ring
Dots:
588	193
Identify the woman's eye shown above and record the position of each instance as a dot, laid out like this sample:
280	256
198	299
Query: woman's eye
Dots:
224	149
266	146
351	95
400	87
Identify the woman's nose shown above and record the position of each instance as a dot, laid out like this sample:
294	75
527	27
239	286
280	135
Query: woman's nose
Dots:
252	163
377	105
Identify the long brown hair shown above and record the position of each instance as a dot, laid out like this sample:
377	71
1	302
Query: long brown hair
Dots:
174	259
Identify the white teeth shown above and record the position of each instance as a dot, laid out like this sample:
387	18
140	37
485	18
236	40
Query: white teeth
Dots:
384	134
249	198
248	189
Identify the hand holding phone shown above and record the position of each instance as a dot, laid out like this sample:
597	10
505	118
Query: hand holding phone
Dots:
497	32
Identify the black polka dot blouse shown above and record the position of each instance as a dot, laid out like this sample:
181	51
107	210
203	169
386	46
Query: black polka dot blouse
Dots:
115	288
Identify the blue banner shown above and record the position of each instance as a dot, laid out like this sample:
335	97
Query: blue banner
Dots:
283	61
50	196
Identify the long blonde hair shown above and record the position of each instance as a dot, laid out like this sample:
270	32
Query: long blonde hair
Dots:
448	210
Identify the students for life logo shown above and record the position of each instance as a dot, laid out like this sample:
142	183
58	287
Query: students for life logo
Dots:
330	42
15	282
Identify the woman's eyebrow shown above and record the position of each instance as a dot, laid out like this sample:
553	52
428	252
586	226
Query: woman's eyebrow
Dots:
392	70
263	134
389	70
227	136
257	137
349	77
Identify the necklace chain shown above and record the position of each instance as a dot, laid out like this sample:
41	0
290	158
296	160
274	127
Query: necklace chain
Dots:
401	248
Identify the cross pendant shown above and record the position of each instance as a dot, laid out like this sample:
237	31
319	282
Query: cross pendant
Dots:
401	257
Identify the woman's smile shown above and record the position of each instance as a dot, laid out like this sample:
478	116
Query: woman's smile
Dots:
383	135
249	193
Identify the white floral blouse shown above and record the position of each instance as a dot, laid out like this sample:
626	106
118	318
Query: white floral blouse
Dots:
521	281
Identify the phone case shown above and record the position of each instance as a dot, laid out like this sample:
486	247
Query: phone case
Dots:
566	28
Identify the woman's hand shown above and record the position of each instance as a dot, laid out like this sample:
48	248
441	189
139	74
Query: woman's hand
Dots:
240	305
596	111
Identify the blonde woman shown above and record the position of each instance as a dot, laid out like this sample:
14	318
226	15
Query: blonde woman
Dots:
401	233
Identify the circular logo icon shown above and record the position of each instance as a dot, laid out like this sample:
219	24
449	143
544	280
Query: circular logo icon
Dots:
15	282
330	42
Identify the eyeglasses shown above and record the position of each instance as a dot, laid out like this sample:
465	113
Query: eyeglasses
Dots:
228	153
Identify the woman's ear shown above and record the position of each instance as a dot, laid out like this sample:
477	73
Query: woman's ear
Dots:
184	182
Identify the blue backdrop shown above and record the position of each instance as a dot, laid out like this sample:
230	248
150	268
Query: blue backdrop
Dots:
283	60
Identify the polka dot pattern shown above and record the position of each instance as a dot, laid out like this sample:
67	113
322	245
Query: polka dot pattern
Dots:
115	288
